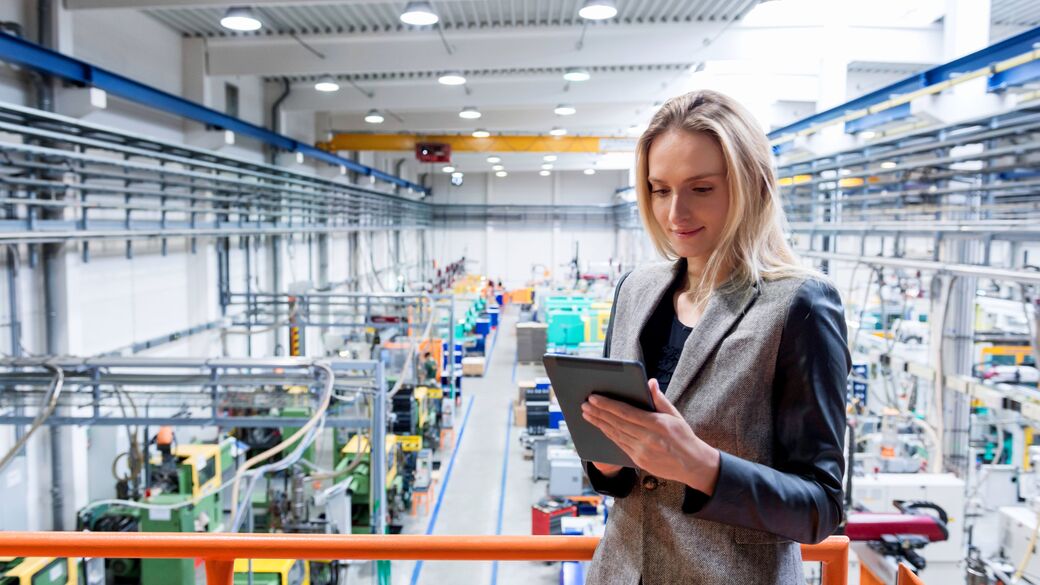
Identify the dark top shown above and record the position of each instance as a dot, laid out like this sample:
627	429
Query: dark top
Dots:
663	340
809	385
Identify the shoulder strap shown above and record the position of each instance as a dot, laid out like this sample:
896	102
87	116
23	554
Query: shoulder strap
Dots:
613	309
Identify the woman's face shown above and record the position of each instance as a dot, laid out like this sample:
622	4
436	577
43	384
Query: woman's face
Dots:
689	194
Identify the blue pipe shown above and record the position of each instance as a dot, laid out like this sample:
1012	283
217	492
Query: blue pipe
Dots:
1016	45
42	59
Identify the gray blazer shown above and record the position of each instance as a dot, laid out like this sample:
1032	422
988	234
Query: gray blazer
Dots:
762	378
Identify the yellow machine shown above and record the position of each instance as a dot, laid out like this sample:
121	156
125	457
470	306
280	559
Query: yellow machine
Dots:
273	572
360	445
205	464
40	571
1006	355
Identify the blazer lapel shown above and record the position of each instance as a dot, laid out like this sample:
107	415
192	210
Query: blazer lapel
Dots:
649	296
724	309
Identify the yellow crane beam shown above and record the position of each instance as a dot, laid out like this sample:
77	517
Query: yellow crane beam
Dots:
530	143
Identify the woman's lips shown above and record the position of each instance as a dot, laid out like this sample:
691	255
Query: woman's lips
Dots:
685	235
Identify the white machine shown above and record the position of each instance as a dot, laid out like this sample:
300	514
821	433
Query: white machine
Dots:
566	475
945	559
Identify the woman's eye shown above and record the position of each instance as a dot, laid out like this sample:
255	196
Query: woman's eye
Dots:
702	190
659	192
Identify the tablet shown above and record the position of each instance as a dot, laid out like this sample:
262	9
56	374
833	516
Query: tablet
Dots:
575	378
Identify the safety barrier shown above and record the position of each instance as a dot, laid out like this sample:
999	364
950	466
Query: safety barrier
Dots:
219	551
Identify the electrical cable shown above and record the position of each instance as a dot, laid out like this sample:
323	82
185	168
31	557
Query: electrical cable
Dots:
318	417
47	409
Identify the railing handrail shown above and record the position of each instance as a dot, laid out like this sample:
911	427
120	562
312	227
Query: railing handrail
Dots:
221	549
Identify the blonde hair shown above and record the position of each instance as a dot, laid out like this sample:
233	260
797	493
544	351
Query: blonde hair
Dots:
752	243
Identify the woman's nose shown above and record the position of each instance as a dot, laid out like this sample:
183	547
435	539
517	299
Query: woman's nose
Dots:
679	211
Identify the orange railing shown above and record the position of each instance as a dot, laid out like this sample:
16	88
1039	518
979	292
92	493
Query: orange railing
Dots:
219	551
907	577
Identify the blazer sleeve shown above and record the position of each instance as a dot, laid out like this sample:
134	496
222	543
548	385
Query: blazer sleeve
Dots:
800	496
618	486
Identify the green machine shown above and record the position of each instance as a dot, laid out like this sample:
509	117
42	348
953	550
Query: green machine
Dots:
567	317
184	519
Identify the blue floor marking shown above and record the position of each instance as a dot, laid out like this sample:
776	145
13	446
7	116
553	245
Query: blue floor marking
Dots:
502	490
444	486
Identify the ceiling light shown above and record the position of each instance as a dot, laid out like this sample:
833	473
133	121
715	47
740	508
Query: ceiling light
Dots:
481	134
577	74
449	169
326	84
544	173
419	14
457	175
469	113
867	134
598	9
557	131
549	158
240	18
565	110
494	159
374	117
547	167
590	171
889	164
498	168
501	174
452	78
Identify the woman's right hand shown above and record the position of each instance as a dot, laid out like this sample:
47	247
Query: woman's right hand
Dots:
607	469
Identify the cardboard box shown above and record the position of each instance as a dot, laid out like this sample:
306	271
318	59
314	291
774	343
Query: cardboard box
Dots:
519	414
473	366
523	387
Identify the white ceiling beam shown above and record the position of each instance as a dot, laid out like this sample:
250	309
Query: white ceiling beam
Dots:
547	91
524	48
158	4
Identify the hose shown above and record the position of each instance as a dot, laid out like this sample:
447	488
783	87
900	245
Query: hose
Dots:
45	413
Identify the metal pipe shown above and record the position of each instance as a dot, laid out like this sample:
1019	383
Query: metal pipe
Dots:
378	453
276	112
1008	275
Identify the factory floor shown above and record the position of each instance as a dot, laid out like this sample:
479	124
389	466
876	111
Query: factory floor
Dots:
487	489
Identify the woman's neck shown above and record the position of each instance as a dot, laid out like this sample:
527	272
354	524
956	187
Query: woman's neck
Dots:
695	268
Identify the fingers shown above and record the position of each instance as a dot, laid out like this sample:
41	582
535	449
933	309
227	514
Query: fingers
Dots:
617	410
615	430
661	403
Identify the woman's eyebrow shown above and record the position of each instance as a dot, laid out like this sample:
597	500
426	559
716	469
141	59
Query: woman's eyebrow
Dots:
687	179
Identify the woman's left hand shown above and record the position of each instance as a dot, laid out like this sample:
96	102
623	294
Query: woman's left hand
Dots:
660	443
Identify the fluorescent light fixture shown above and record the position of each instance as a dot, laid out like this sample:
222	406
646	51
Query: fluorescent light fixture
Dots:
598	9
557	131
457	175
374	117
498	168
577	74
889	164
494	159
448	169
549	158
452	78
565	110
481	134
240	18
326	83
299	158
590	171
547	167
419	14
544	173
501	174
469	113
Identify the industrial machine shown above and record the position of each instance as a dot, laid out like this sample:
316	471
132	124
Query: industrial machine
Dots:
50	571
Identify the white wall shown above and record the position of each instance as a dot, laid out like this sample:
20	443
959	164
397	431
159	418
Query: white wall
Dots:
511	252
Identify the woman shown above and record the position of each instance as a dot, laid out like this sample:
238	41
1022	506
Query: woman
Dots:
746	349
